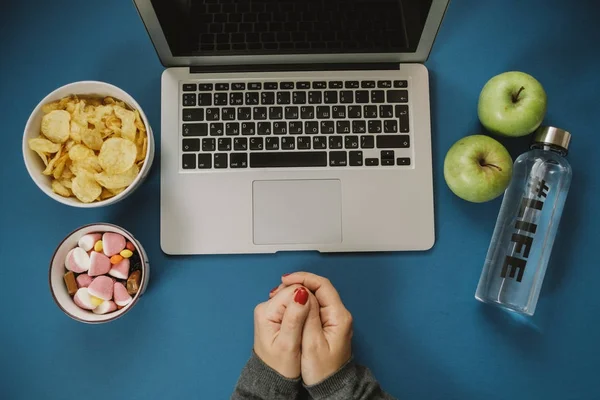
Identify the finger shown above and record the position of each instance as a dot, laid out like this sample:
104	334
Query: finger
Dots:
275	307
313	327
294	318
275	290
321	287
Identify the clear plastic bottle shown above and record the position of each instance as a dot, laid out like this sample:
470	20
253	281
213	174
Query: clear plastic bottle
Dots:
526	227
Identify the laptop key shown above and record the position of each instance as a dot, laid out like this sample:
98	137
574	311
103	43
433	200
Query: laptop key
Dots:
338	159
367	84
330	97
387	154
192	114
255	86
359	127
240	144
390	126
220	160
256	143
402	115
327	127
205	161
302	85
288	143
286	85
188	161
356	158
351	142
295	128
387	161
370	111
194	130
280	128
346	96
272	143
259	113
354	112
335	85
224	144
189	87
384	84
351	85
386	111
338	112
299	98
372	162
400	84
378	96
275	113
319	142
307	112
315	97
291	112
362	96
303	143
397	96
319	85
208	144
252	98
335	142
238	86
264	128
342	127
212	114
220	99
367	142
283	97
288	160
248	128
403	161
238	160
222	86
271	85
323	112
267	98
244	113
393	141
374	126
204	87
228	114
189	99
191	145
311	127
232	128
236	99
216	129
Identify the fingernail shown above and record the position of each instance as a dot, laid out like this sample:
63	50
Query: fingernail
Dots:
284	275
274	289
301	296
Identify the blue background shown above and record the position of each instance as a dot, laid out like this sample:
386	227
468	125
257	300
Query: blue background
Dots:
417	324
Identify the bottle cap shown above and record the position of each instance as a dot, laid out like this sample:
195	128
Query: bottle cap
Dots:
553	136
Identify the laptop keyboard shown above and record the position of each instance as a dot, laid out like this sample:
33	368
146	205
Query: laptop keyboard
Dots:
275	124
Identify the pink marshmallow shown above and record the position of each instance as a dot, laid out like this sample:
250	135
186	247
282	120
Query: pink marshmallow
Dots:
99	264
121	269
112	243
83	280
88	241
83	300
121	297
105	307
77	260
101	287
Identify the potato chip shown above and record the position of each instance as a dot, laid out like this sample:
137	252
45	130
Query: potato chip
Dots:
66	183
113	123
117	181
49	107
62	103
80	152
108	100
117	155
138	121
127	118
51	164
59	167
43	157
116	191
40	144
60	189
92	138
90	163
94	102
85	188
67	174
55	126
106	194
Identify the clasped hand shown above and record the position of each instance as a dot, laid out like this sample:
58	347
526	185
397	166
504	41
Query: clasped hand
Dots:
303	329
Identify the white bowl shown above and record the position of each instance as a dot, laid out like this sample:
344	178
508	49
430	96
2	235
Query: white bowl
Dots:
34	164
58	270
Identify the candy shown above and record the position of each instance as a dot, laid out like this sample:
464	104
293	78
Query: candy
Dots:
117	258
130	246
99	264
101	287
87	241
133	282
83	299
84	280
120	270
77	260
126	253
112	243
98	246
121	297
105	307
70	282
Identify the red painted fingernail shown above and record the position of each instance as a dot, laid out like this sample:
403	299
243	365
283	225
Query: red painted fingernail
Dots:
301	296
274	289
284	275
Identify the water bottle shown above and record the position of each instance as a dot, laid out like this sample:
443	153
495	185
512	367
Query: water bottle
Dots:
516	261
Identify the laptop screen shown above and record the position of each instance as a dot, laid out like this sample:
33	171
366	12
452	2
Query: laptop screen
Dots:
265	27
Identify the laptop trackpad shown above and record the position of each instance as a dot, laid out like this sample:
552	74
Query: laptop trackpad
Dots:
297	212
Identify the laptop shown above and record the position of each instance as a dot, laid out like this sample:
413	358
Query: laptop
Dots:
294	124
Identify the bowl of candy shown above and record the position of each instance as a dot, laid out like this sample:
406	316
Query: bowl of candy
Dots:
88	144
98	273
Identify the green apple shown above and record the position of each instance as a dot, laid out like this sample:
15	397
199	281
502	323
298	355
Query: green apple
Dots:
477	168
512	104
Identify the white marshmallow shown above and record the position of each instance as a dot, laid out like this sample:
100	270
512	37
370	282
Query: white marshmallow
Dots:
120	295
113	243
121	269
83	299
105	307
88	241
77	260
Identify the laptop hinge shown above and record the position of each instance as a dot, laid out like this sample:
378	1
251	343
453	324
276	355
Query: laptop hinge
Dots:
294	67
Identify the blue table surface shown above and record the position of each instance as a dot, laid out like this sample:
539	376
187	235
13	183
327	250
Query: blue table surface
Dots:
417	324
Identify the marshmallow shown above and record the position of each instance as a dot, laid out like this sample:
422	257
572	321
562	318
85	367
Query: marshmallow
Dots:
105	307
99	264
77	260
88	241
83	280
113	243
120	270
84	300
101	287
122	298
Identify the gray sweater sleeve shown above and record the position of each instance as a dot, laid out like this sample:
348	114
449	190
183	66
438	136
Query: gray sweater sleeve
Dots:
259	382
351	382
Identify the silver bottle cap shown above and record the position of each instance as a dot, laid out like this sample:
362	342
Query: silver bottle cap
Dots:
553	136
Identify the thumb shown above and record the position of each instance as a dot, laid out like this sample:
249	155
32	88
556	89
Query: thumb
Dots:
294	317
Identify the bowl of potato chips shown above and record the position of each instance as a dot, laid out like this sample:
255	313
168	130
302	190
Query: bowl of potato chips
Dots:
88	144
